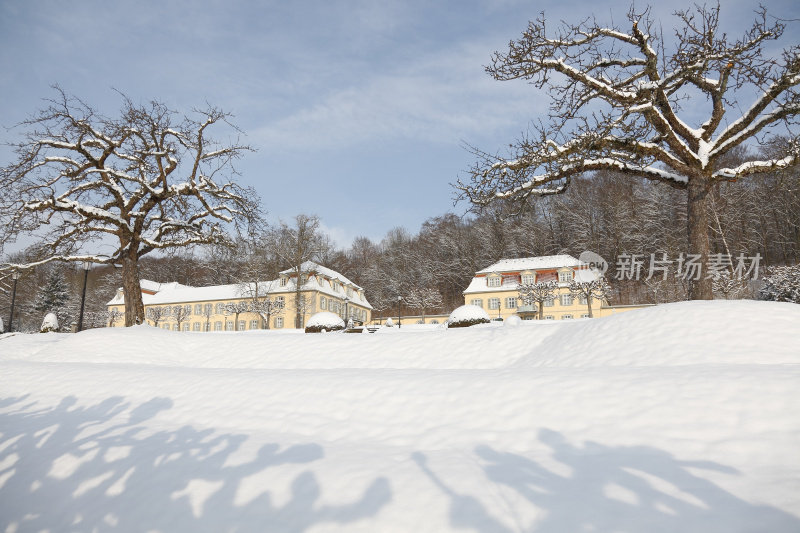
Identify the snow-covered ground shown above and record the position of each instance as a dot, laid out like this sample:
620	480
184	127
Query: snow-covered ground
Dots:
679	418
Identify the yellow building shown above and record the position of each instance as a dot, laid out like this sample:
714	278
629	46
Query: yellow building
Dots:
495	289
247	306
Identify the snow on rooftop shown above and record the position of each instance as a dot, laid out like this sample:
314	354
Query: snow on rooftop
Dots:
532	263
175	293
310	266
663	419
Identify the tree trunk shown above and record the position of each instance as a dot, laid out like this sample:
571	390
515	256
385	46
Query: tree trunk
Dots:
698	190
134	307
589	305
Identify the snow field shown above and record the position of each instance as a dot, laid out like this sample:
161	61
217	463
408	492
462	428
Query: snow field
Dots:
639	422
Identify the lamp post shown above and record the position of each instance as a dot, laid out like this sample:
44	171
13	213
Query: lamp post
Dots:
15	277
346	299
87	265
399	299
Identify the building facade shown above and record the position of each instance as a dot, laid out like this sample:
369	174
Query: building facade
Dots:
496	289
248	306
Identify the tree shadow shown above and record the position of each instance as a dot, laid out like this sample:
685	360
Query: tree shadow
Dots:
100	468
612	488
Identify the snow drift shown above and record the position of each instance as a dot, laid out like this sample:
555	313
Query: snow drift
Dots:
676	418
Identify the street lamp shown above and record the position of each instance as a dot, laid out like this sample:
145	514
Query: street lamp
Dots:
399	299
346	299
87	265
15	277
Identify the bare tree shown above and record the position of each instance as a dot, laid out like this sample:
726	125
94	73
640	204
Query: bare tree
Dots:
113	316
235	309
266	308
157	313
619	102
296	246
181	313
424	298
537	293
149	179
590	289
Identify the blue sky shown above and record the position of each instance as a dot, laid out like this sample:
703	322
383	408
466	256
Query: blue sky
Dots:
358	109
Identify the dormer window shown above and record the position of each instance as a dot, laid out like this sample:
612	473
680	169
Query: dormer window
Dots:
565	276
528	279
284	281
493	281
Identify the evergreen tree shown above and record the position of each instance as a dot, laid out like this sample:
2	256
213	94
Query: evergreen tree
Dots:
53	296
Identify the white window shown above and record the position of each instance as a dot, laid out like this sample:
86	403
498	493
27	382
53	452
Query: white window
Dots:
219	308
511	303
434	321
280	300
242	325
284	281
207	326
566	299
323	303
476	301
186	326
187	309
207	309
493	281
566	317
196	326
278	322
582	299
217	326
549	317
585	315
565	276
550	302
198	309
229	325
494	303
254	324
528	279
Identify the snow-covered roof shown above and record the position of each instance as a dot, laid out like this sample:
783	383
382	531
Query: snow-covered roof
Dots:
148	286
155	286
479	285
531	263
310	266
174	293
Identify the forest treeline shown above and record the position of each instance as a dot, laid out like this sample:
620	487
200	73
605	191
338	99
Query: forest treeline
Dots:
609	214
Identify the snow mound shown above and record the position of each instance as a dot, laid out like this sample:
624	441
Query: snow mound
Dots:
512	321
468	314
50	323
325	319
682	333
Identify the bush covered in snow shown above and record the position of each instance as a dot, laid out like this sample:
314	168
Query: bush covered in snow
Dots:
467	315
512	321
324	321
782	284
389	323
50	323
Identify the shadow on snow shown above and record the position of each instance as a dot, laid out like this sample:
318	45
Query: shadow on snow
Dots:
620	489
96	468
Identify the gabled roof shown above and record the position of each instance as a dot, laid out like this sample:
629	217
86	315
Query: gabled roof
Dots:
174	293
149	289
532	263
311	266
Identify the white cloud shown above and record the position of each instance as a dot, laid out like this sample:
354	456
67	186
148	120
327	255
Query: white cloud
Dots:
444	97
